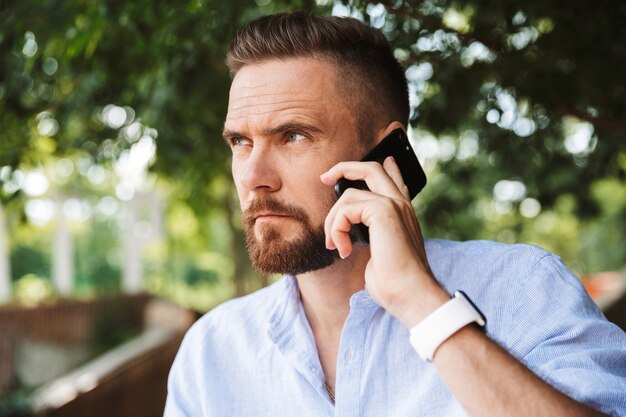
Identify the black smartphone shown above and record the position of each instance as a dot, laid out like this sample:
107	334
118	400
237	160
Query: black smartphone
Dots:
396	144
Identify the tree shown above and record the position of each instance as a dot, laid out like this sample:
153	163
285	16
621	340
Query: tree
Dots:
517	106
530	94
93	77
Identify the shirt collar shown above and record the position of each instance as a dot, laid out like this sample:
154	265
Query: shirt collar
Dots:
362	299
289	308
291	333
286	310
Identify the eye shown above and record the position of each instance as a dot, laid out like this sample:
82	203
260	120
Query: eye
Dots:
295	137
238	141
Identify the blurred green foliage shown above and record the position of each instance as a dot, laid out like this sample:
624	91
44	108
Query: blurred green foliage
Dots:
26	260
112	327
95	271
32	290
518	115
16	404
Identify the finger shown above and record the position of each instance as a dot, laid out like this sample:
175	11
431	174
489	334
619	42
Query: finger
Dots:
373	173
340	230
352	170
345	216
400	208
393	170
385	209
350	196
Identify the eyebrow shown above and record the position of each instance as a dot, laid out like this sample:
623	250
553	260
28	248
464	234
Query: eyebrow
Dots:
285	127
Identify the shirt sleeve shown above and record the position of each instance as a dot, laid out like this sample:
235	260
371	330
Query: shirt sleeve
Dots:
558	332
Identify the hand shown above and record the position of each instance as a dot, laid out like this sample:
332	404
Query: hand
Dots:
397	274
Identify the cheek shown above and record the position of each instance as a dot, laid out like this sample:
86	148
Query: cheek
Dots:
314	197
241	191
304	182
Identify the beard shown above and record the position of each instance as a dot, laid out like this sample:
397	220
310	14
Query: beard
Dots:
273	254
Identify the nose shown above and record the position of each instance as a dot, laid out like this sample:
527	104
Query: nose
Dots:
259	171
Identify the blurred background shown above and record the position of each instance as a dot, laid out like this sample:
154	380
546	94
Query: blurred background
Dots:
119	222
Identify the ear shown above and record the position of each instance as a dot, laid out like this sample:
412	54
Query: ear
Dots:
387	130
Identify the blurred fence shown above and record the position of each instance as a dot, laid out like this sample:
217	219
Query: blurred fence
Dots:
44	348
128	382
66	323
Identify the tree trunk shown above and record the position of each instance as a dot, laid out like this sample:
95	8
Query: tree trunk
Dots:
238	248
5	265
63	254
132	270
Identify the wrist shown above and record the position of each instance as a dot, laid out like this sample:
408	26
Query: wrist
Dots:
420	303
430	333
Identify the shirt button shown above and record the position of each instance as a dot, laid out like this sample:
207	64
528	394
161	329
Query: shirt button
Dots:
348	355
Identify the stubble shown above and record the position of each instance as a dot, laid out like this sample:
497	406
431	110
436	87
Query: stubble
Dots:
271	253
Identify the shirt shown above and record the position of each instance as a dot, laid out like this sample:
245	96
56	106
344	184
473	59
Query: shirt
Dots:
256	356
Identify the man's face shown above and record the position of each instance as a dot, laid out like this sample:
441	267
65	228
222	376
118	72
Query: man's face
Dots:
286	125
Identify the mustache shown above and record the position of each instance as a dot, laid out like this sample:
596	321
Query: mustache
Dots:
269	205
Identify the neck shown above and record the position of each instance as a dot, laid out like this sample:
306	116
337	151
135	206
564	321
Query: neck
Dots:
326	293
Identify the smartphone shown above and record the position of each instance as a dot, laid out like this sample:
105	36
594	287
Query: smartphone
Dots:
396	144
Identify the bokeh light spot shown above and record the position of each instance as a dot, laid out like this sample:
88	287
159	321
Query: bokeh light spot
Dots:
36	184
529	207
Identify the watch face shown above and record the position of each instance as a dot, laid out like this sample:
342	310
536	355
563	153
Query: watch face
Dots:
483	319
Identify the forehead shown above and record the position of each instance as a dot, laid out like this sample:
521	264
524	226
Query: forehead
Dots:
294	87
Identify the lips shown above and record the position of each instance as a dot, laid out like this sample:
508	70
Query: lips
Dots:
266	209
269	215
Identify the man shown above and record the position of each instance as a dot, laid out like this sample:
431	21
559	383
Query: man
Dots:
332	337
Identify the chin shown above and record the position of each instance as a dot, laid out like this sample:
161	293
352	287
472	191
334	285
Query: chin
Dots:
288	248
297	256
266	233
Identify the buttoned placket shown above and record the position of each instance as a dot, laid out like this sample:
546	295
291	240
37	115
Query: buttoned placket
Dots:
292	335
349	374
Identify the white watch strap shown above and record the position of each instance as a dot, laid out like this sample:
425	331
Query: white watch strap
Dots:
442	323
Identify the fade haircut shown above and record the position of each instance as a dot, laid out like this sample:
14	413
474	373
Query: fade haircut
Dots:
369	77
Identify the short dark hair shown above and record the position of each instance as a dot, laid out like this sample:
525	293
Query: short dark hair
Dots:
367	69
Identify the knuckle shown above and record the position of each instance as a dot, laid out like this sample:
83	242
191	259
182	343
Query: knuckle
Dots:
387	203
378	167
407	208
349	194
406	205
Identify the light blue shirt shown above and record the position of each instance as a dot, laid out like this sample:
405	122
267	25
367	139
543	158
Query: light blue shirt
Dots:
255	356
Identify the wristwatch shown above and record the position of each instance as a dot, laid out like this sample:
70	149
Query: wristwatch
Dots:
442	323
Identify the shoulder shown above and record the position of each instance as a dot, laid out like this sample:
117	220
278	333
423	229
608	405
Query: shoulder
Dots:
225	340
250	313
514	285
483	263
483	250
